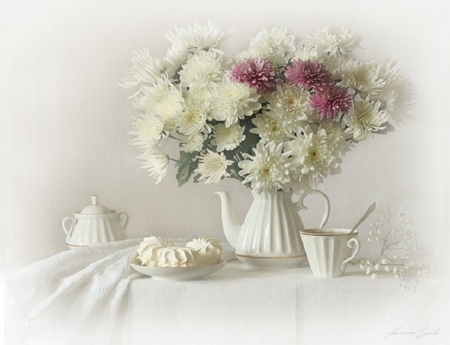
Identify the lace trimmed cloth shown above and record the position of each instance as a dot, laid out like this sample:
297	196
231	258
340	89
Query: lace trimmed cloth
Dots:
76	293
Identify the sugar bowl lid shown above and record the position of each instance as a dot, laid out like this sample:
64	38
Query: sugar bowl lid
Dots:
95	208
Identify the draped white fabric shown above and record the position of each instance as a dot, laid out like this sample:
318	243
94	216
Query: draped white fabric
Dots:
93	296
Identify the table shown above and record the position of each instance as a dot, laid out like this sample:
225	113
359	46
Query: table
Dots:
92	296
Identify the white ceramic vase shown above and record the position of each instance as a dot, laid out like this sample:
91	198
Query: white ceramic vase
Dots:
270	234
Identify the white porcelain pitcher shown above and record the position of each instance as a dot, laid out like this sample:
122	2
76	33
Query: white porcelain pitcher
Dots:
95	224
270	234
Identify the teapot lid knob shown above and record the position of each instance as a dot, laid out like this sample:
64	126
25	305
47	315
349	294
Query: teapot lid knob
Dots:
94	200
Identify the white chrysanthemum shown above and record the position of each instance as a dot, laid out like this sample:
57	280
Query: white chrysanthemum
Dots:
192	119
200	70
269	127
335	41
144	69
390	73
364	118
388	94
227	138
334	65
308	53
202	98
156	162
213	167
361	76
291	105
314	155
334	130
275	44
148	130
267	170
164	99
192	143
175	58
233	101
198	37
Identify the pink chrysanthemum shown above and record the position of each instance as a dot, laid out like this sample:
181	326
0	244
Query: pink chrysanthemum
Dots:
258	73
309	74
331	101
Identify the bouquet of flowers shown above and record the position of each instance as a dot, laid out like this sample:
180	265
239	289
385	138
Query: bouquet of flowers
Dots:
274	116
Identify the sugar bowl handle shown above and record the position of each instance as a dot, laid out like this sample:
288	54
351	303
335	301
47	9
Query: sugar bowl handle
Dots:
67	225
123	218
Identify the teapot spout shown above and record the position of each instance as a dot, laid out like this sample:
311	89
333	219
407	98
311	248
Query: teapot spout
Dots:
231	227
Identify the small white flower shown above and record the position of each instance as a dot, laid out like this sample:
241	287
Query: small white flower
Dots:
193	119
276	45
269	128
390	73
308	53
164	99
213	167
291	106
199	36
227	138
387	95
175	58
193	142
156	162
144	69
148	130
315	154
364	77
337	135
201	70
233	101
364	118
334	64
267	170
335	41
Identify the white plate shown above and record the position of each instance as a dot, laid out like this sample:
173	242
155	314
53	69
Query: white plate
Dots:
175	273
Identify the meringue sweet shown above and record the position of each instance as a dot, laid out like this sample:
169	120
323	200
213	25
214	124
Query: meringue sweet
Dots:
157	252
208	250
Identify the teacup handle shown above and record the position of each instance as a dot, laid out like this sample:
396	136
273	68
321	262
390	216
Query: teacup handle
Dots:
123	218
68	228
355	251
301	206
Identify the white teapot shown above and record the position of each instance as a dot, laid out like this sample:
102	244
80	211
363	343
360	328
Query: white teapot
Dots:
95	224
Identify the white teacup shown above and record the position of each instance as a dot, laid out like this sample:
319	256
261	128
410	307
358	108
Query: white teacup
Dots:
329	250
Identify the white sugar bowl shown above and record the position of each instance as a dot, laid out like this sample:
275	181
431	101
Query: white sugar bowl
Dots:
95	224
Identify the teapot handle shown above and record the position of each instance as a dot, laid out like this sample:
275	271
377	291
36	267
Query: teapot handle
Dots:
68	228
308	191
123	218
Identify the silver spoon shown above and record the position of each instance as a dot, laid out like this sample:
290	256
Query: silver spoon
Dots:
363	218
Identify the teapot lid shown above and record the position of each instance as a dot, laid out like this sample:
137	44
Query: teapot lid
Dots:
95	208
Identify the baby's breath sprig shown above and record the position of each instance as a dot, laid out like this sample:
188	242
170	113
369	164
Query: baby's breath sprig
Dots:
400	255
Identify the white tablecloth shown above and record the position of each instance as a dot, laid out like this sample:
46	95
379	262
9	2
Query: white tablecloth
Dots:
93	296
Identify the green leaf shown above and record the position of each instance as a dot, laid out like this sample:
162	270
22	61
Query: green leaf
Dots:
186	166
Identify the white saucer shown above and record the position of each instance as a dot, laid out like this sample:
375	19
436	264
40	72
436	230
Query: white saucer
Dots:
175	273
268	263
